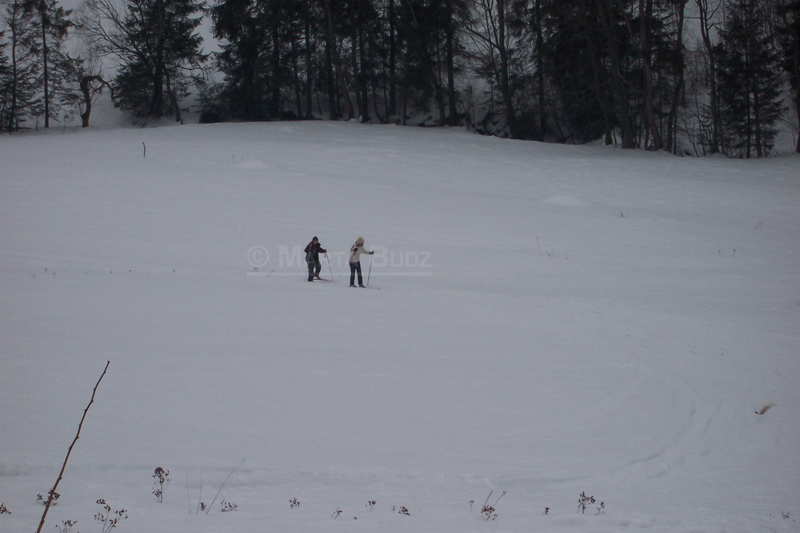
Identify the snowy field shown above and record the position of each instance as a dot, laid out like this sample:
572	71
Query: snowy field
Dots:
550	321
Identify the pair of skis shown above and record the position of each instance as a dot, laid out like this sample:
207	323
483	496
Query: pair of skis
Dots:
355	286
359	286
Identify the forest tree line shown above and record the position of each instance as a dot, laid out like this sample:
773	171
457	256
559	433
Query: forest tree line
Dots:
687	76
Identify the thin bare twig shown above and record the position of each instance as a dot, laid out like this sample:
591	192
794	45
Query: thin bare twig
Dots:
200	498
64	466
223	485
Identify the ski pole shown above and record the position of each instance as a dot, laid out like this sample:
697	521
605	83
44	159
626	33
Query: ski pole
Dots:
370	269
329	264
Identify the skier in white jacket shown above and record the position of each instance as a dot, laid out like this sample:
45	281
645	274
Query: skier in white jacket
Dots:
355	262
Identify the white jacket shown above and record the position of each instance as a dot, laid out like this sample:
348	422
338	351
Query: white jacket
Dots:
355	252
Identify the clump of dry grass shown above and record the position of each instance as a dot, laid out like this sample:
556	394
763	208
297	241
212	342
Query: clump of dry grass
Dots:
766	408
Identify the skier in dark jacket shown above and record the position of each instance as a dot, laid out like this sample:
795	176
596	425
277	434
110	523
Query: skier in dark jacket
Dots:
312	258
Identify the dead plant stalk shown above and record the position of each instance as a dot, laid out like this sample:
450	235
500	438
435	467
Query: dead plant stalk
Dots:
69	451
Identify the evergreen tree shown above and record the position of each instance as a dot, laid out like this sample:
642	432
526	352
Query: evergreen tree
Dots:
710	124
673	56
333	28
159	50
360	24
5	81
276	53
499	53
22	98
455	20
236	24
576	56
50	23
301	49
647	31
789	39
529	26
253	58
646	61
419	39
749	80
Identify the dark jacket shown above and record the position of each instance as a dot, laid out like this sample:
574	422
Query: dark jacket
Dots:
313	251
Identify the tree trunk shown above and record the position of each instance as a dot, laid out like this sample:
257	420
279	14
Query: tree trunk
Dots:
45	68
449	46
505	88
335	58
392	61
172	98
598	91
157	102
309	83
672	122
364	76
13	121
87	97
644	53
648	73
438	92
540	71
793	63
705	28
275	100
333	101
298	86
354	61
754	90
160	68
606	16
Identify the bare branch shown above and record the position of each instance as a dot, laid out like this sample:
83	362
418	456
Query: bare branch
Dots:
52	492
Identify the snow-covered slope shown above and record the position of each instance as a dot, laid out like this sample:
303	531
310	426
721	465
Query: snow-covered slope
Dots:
551	321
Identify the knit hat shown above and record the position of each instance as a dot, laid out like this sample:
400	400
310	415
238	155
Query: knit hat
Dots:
360	241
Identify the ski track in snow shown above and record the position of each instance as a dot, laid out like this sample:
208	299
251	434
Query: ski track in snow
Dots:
591	320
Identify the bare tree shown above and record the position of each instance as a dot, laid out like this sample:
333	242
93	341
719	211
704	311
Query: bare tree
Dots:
707	12
334	57
607	11
156	45
643	50
789	38
678	67
493	49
